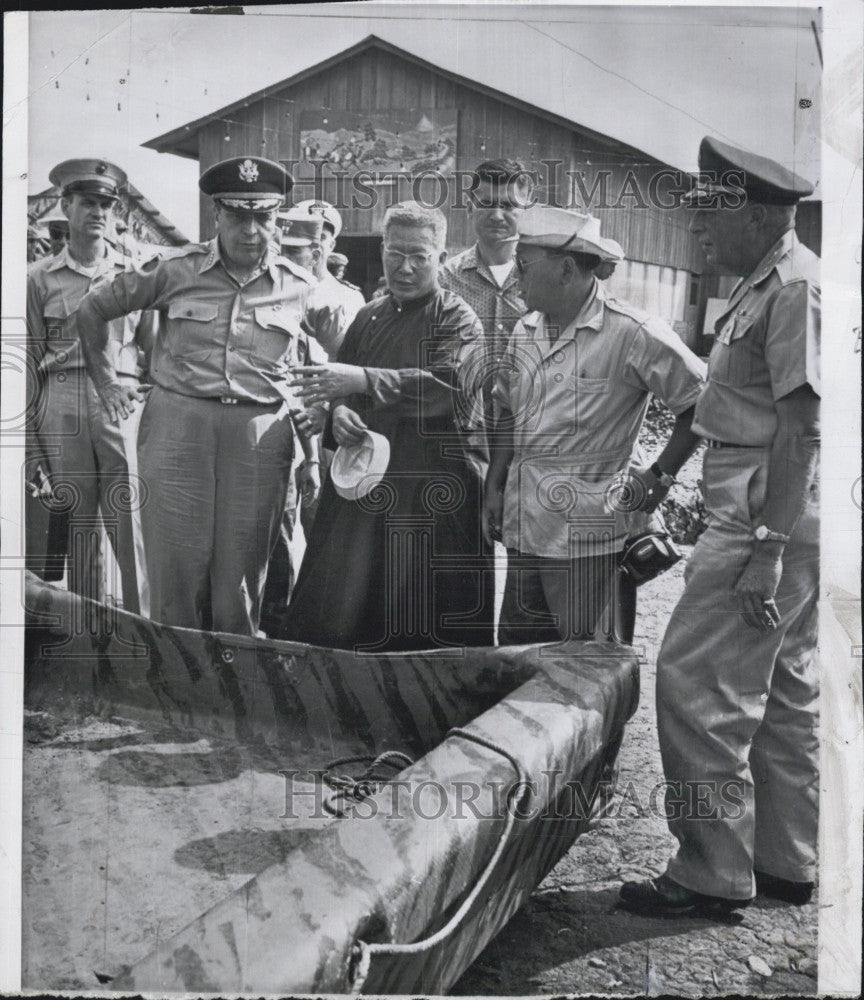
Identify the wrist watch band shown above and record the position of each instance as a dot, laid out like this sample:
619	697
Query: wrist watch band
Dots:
764	534
664	477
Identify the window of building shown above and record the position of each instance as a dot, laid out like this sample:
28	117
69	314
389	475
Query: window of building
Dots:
694	289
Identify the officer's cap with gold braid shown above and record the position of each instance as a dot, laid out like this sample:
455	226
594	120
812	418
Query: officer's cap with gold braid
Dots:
247	182
97	177
727	170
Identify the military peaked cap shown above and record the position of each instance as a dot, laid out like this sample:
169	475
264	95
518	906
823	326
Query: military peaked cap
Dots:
730	170
247	182
299	228
323	208
88	177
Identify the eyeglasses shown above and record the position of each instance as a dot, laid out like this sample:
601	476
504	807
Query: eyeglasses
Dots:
395	258
522	265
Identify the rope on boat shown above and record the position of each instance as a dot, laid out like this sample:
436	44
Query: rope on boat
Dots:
362	953
346	787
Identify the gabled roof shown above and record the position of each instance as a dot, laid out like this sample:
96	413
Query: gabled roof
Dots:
182	141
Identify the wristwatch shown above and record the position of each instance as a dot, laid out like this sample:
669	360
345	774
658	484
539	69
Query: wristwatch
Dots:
665	479
764	534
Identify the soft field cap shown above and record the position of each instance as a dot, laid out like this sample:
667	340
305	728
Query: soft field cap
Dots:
567	230
358	468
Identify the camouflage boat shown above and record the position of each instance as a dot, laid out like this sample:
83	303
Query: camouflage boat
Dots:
209	813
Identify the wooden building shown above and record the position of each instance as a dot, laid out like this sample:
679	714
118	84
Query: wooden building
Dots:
375	124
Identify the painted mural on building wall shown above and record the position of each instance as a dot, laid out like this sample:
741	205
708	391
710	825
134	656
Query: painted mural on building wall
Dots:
407	139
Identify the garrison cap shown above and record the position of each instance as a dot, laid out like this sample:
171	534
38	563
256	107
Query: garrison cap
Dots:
247	182
732	170
568	230
299	228
88	177
338	259
323	208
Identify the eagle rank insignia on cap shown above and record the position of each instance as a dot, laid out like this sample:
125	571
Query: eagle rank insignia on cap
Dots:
248	172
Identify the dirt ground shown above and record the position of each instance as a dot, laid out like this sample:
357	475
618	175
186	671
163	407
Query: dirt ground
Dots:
570	938
84	918
88	790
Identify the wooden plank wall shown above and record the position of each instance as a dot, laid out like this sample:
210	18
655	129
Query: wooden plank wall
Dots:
487	128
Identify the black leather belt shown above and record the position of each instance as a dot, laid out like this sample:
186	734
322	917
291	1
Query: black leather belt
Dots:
728	444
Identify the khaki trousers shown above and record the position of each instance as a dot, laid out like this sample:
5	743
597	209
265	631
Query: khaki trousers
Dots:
93	467
216	476
736	708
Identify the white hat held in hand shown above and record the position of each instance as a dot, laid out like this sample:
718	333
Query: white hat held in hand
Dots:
357	469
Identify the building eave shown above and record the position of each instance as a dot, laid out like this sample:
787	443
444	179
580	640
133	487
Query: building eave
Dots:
178	141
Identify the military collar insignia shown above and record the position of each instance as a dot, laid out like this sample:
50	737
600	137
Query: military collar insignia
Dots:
212	255
248	171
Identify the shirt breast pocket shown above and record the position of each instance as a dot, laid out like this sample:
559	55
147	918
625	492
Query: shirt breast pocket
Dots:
591	401
276	329
59	327
190	332
731	361
591	386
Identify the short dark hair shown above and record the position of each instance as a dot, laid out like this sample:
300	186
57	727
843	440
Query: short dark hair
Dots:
503	174
502	171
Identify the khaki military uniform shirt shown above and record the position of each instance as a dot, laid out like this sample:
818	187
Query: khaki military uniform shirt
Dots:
575	405
330	311
766	345
55	287
215	336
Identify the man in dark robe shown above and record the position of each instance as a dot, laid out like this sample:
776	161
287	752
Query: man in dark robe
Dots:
402	568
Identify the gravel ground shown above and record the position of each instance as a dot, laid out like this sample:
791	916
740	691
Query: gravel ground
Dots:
571	938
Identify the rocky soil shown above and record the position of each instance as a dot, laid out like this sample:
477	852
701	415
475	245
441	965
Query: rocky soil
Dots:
571	938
